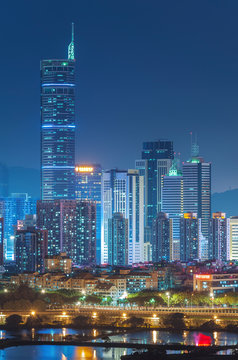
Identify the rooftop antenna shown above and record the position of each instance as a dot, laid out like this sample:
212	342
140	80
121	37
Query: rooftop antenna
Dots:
71	46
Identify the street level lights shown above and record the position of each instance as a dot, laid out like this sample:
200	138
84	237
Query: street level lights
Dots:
212	298
168	296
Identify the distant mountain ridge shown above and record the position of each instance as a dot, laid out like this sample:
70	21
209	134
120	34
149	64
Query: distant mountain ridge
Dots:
226	201
24	180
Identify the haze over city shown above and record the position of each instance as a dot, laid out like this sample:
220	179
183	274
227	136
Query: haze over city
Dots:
144	71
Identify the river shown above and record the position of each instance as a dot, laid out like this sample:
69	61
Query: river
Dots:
45	352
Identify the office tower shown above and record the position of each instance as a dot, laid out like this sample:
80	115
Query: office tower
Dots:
1	241
157	156
197	193
88	179
31	249
219	237
162	238
172	204
135	216
234	238
71	226
4	180
118	240
123	192
190	235
58	127
12	209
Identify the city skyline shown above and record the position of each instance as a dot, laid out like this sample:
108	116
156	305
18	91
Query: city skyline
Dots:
177	82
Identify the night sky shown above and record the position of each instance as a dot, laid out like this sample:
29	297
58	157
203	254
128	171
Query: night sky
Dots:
145	70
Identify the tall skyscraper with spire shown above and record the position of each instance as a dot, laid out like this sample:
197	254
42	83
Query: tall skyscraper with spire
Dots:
58	126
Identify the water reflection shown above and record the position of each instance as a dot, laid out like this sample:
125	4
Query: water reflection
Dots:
91	353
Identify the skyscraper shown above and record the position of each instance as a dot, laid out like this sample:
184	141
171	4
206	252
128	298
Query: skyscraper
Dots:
156	161
219	237
88	178
172	204
135	216
123	192
58	127
12	209
113	201
190	235
197	193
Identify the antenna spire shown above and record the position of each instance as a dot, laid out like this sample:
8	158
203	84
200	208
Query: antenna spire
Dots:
71	45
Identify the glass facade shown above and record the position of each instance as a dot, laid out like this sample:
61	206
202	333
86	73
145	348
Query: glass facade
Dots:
57	129
172	204
157	156
197	196
12	209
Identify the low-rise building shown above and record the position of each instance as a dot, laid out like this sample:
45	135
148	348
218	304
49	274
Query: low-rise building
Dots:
58	263
215	283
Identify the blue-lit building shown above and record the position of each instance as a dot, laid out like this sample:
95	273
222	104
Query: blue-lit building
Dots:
1	240
12	209
197	195
58	127
156	161
88	178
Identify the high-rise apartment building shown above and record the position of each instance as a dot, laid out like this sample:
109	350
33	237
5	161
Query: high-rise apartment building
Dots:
123	192
118	240
58	127
135	216
71	226
31	249
190	235
162	238
88	178
234	238
172	204
219	237
197	194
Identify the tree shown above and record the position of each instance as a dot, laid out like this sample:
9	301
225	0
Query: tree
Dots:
134	321
81	321
13	321
175	321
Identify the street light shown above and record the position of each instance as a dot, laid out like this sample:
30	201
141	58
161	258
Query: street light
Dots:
33	313
168	296
212	298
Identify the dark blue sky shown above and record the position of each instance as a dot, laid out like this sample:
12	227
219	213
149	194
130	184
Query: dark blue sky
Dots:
146	70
